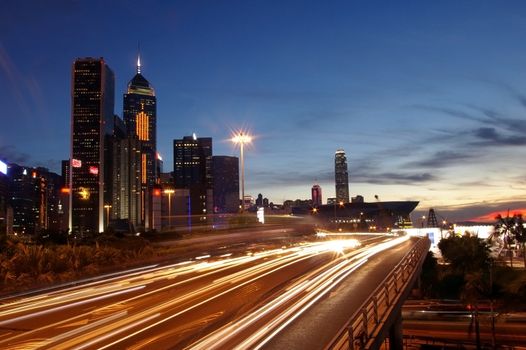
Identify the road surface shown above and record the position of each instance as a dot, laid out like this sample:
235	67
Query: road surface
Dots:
260	298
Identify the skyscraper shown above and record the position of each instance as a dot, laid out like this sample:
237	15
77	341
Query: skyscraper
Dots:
316	196
225	174
193	171
341	176
92	102
140	118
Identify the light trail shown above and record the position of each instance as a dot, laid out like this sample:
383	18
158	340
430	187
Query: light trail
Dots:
88	328
313	290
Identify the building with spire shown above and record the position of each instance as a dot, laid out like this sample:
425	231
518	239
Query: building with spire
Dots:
341	176
140	119
316	196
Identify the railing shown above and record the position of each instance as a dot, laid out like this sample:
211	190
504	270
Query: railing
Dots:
367	321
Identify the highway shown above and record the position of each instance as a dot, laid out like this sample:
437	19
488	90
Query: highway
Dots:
253	299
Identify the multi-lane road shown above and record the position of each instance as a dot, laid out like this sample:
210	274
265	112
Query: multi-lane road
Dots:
295	296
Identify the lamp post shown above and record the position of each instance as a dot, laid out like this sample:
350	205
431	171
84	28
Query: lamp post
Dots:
241	139
107	207
169	192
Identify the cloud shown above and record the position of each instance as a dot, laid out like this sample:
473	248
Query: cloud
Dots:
491	137
441	159
9	154
391	178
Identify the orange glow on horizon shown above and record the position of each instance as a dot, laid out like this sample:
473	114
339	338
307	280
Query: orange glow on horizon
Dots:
490	217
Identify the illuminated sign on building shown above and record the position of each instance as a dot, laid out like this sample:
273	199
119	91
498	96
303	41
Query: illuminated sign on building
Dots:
143	125
84	193
94	170
3	168
76	163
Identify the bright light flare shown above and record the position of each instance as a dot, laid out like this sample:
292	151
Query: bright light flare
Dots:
241	138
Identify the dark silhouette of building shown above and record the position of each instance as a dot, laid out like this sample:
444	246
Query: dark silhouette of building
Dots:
65	173
225	175
364	216
341	176
316	196
259	200
140	118
4	200
92	100
193	171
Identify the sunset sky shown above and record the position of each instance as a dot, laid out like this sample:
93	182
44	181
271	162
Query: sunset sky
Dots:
427	98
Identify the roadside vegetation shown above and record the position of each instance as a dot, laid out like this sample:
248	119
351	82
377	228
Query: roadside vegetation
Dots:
26	265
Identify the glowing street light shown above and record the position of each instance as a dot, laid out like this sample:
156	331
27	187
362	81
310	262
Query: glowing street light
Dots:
107	207
169	192
241	139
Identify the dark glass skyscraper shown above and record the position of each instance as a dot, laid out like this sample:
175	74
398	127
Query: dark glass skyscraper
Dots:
193	171
140	118
225	174
341	177
92	102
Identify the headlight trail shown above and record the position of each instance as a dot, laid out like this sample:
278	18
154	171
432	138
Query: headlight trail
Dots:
109	313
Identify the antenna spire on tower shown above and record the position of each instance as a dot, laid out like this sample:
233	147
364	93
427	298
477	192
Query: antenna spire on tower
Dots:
138	58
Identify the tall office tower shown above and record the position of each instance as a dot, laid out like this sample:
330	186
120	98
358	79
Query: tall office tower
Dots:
192	171
92	102
316	196
341	177
65	173
4	198
28	192
140	118
225	175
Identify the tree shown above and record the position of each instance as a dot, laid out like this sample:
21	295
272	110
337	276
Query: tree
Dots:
511	229
465	254
468	256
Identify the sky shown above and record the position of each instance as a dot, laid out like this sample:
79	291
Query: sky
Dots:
427	98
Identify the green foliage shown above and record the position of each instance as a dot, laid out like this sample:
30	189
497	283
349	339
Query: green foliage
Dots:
24	265
466	254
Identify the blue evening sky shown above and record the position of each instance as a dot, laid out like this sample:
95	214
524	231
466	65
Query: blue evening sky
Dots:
427	98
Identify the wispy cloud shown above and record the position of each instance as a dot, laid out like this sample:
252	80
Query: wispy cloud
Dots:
9	154
441	159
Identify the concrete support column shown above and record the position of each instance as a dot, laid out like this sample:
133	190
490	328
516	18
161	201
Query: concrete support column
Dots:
396	340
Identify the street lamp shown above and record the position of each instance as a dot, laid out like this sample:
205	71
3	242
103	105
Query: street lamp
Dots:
169	192
107	207
242	138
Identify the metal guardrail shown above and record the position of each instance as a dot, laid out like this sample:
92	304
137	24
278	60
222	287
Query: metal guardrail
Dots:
367	321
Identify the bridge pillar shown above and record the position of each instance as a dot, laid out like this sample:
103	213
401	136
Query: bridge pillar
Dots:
396	338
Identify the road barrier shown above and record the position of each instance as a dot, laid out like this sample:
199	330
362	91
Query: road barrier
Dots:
367	322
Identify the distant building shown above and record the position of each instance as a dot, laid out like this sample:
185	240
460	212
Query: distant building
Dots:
65	173
357	199
4	199
331	200
225	175
316	196
341	176
140	118
193	171
363	216
259	200
92	102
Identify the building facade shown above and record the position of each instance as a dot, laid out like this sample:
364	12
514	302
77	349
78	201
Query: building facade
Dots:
193	171
316	196
140	119
92	103
341	176
225	175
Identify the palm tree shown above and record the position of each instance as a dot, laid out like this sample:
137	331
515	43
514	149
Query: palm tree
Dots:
511	228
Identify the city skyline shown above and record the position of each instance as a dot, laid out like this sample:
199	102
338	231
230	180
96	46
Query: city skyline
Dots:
423	108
